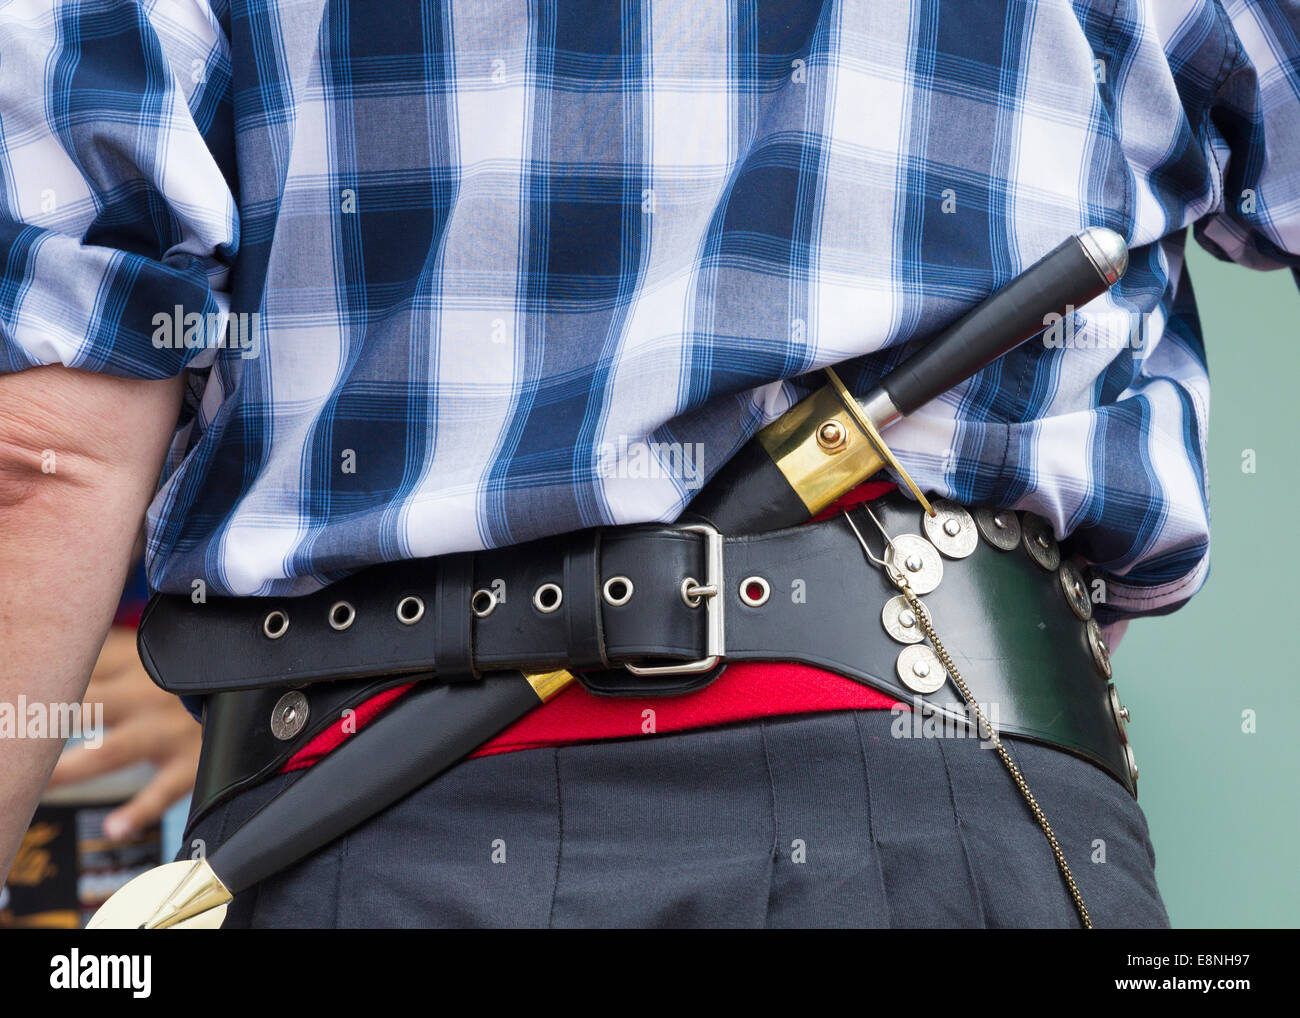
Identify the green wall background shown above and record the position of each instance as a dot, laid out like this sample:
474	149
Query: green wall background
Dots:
1223	805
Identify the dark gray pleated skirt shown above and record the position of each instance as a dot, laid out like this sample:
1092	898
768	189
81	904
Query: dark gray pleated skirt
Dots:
817	820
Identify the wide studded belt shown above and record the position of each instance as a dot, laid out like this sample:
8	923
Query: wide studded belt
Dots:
661	610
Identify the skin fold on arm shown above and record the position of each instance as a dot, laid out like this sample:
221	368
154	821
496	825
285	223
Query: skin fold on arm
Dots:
80	457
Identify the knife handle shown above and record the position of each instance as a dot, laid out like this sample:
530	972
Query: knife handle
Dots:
1073	273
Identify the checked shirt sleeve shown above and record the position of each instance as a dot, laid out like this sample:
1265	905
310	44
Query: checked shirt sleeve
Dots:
1255	135
116	180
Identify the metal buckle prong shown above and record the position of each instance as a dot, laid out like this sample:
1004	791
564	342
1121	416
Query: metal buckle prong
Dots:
708	592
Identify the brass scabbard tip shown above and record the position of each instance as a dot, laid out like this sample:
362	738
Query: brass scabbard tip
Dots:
548	685
184	894
199	890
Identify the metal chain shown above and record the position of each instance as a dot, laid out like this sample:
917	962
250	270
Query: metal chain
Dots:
987	731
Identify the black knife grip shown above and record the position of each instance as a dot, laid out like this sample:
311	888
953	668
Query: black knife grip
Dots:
1065	276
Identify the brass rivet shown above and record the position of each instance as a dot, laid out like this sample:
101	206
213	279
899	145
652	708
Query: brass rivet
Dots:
831	436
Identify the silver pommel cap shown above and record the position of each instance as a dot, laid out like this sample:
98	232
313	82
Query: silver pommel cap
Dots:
1106	250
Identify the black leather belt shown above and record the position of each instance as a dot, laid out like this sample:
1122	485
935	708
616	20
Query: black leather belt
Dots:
657	611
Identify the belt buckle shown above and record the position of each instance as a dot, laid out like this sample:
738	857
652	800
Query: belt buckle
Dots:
711	593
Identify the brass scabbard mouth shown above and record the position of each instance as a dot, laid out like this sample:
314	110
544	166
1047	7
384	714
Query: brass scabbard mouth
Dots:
869	429
826	446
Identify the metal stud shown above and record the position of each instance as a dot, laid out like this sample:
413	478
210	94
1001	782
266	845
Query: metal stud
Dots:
1100	654
1119	711
1000	527
410	610
918	560
1036	536
483	602
617	591
289	715
920	669
831	436
951	529
1132	766
276	624
754	591
341	615
548	597
1075	590
900	621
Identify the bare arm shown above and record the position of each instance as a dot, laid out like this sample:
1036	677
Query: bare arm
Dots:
80	456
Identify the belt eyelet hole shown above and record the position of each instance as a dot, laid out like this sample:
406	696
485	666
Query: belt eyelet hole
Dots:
754	591
342	615
276	624
617	590
410	610
483	603
547	598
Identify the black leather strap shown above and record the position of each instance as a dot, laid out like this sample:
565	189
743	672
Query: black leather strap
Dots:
1004	619
452	651
448	640
582	602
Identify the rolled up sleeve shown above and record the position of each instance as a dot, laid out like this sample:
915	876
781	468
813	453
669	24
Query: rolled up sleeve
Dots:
1255	134
118	222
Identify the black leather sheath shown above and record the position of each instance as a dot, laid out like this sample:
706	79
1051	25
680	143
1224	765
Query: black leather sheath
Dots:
1004	618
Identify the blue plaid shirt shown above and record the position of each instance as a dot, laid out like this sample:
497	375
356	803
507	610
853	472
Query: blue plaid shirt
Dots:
450	276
